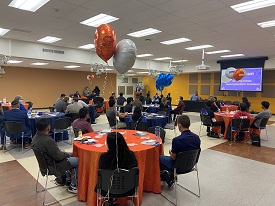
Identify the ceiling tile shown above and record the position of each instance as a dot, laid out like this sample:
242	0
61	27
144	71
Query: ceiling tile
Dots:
79	14
154	2
76	2
104	5
178	5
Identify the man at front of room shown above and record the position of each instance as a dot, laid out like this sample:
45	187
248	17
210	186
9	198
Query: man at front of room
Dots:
185	142
195	97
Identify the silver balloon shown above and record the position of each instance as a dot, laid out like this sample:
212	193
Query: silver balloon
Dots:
125	55
230	72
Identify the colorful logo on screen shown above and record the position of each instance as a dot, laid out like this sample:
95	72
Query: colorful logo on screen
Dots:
237	74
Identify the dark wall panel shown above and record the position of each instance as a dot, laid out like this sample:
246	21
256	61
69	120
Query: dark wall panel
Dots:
217	77
205	90
205	78
268	91
217	92
268	76
193	78
193	88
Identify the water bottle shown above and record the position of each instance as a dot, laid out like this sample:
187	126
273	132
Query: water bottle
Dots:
145	103
29	113
226	111
54	110
4	100
157	132
80	133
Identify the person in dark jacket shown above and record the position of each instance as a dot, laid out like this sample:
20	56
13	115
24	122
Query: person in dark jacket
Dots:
128	106
147	99
96	91
121	99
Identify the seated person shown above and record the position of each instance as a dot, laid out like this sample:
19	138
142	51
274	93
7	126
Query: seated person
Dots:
266	113
98	100
179	108
74	107
17	115
121	99
19	99
61	105
81	123
60	98
245	101
186	141
113	96
163	105
59	162
137	116
156	99
86	92
214	107
137	102
195	97
92	95
128	106
169	99
76	95
111	115
209	112
96	91
147	99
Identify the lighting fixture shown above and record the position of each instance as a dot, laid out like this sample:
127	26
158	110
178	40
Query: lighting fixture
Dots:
232	55
179	61
14	61
199	47
145	55
71	66
49	39
142	72
218	52
3	31
267	24
98	20
145	32
162	58
252	5
28	5
109	69
130	74
39	63
175	41
87	46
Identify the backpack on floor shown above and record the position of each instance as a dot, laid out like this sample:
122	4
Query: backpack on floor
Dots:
255	140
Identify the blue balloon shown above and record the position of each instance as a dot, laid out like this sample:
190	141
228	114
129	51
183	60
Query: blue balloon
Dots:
164	80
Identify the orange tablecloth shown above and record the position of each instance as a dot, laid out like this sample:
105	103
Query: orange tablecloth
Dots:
230	108
148	164
106	104
9	105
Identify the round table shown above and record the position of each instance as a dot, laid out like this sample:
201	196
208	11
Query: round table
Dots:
229	107
147	157
151	108
8	105
152	120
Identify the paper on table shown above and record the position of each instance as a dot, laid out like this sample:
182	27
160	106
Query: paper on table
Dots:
98	145
159	116
131	144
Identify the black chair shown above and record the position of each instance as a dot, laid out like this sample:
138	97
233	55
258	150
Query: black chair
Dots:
30	104
14	128
45	171
239	125
227	102
5	108
118	182
61	125
99	102
206	120
141	126
262	126
162	112
73	116
112	122
162	132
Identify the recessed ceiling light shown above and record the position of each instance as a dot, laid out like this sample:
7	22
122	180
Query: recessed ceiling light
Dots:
179	61
162	58
130	71
218	52
145	32
267	24
98	20
14	62
253	5
145	55
232	55
130	74
175	41
142	72
71	66
3	31
39	63
109	69
49	39
28	5
199	47
87	46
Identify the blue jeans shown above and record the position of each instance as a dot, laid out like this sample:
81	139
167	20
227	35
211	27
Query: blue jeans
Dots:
166	163
74	162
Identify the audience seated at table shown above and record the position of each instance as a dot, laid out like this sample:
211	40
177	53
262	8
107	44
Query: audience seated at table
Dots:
121	99
82	103
17	115
128	106
61	106
195	97
92	95
179	108
137	102
141	98
111	115
19	99
60	162
209	112
147	99
60	98
77	95
169	99
137	116
266	113
74	107
163	105
86	92
156	99
96	91
81	123
113	96
186	141
246	102
214	107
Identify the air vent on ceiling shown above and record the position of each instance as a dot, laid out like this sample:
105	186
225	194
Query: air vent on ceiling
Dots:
54	51
21	30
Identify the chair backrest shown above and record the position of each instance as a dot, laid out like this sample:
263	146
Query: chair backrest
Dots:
43	166
263	123
123	180
241	124
62	123
112	122
5	108
13	127
181	110
73	116
163	111
186	160
162	132
227	102
206	120
141	126
98	101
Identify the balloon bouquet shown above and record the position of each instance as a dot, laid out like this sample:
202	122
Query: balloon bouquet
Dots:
90	77
164	80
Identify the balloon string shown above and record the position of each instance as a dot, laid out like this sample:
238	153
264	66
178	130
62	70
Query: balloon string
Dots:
105	81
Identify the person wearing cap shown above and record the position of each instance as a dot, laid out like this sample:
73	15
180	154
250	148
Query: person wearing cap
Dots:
74	107
19	99
17	115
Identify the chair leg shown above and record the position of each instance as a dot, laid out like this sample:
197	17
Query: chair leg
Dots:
22	142
266	134
37	182
45	190
198	180
200	130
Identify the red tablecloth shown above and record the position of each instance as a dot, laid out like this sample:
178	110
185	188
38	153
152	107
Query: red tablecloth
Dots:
148	164
9	105
230	108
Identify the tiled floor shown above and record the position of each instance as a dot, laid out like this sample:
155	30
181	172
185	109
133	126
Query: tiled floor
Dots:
229	175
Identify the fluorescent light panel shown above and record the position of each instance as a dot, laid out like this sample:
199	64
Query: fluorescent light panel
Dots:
199	47
218	52
28	5
39	63
49	39
179	61
145	32
142	72
98	20
14	61
71	66
232	55
267	24
108	69
145	55
252	5
87	46
3	31
162	58
175	41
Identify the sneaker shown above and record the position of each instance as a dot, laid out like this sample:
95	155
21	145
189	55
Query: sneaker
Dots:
72	189
171	183
3	147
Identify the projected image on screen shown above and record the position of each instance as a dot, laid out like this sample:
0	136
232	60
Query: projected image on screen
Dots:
245	79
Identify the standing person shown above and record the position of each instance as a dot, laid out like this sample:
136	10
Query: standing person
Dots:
86	92
138	88
61	106
19	99
169	99
74	107
186	141
121	99
113	96
60	98
81	123
195	97
96	91
148	99
245	101
179	108
266	113
156	99
59	162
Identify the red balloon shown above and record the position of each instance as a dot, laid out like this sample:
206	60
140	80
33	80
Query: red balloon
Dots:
105	41
92	76
239	74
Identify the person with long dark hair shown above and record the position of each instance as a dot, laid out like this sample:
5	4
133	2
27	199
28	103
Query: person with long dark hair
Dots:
96	90
247	103
137	116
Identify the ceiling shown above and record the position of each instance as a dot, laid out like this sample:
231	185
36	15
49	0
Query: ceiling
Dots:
203	21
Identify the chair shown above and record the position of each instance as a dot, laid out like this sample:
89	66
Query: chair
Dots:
141	126
72	116
30	104
5	108
45	171
239	125
98	101
118	182
112	122
61	125
227	102
262	126
162	132
206	121
162	112
14	128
